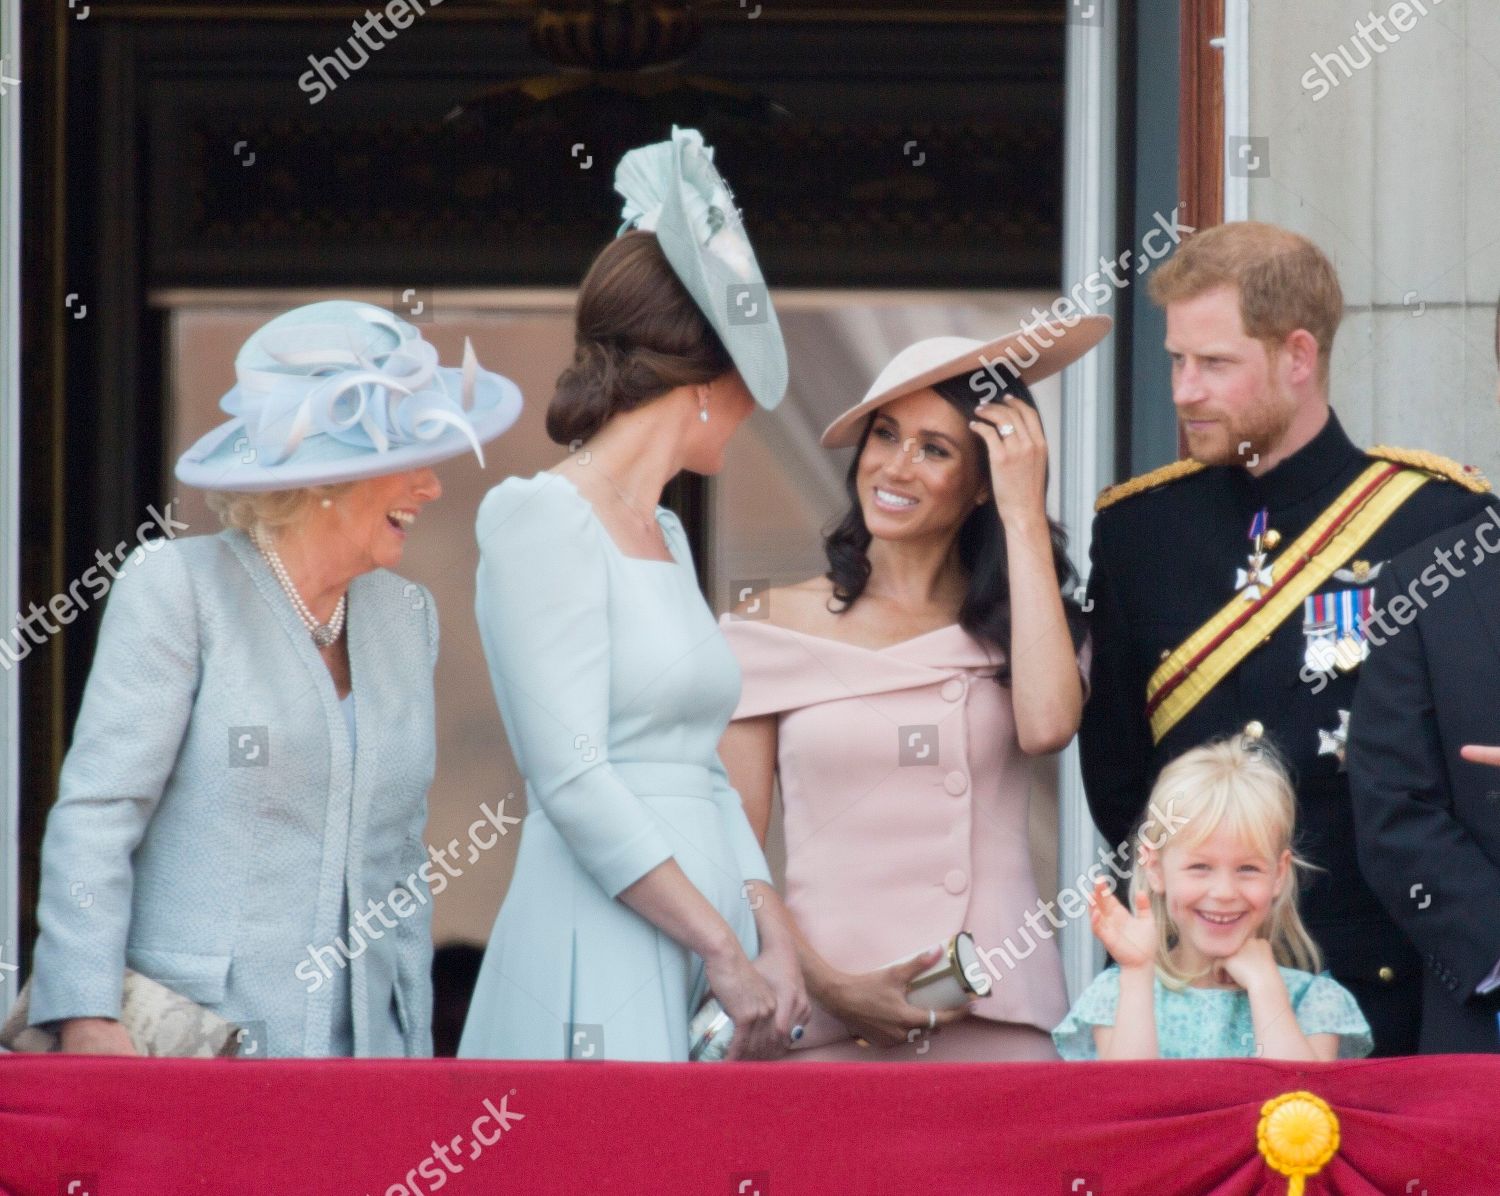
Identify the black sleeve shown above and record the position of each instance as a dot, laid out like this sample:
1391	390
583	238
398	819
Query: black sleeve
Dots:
1114	740
1405	827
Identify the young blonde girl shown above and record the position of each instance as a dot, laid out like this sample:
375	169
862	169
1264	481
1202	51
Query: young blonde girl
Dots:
1214	962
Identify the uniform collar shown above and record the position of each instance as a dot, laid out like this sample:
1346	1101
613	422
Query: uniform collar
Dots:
1319	463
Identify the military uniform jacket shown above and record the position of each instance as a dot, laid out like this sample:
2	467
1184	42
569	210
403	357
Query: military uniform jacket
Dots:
1428	821
1164	560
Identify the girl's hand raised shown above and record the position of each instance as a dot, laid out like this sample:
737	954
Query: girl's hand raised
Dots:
1130	939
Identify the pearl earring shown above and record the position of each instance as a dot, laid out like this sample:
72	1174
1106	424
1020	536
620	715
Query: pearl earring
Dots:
703	411
327	502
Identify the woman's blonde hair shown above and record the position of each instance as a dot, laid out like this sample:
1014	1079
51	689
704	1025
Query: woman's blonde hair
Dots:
269	510
1241	785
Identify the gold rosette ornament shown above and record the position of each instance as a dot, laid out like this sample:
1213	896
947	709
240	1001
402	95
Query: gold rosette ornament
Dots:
1297	1135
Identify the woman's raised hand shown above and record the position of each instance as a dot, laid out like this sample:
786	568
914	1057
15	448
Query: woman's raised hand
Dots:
1018	458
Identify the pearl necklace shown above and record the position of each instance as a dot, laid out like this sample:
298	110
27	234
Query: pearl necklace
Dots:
323	634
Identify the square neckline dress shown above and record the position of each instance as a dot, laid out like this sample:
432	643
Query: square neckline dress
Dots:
614	684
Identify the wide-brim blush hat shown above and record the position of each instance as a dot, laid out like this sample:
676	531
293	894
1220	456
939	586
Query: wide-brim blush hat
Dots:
340	391
1032	352
672	189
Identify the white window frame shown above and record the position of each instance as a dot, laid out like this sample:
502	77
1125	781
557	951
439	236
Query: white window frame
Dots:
1236	48
1088	449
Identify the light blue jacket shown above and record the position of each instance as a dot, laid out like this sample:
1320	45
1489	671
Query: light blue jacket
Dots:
209	823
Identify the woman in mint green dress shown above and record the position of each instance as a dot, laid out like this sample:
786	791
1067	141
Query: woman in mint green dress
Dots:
640	886
1214	962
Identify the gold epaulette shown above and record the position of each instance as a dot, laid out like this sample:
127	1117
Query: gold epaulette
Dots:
1466	476
1147	481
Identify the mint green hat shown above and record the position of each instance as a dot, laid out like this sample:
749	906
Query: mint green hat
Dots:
672	189
339	391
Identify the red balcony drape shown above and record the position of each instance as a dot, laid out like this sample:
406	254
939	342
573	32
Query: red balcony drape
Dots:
118	1127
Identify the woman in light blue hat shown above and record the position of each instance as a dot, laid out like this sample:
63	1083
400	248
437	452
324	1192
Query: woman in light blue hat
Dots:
640	885
244	798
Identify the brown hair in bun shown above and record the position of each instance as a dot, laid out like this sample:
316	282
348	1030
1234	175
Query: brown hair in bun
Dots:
638	334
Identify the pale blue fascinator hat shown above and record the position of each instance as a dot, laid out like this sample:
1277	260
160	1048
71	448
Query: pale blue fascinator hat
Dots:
672	189
340	391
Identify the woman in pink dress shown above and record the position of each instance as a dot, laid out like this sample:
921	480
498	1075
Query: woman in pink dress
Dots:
898	698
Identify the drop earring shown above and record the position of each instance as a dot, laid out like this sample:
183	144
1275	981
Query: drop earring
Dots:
703	411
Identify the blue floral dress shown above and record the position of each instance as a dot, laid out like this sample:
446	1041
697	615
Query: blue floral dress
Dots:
1215	1023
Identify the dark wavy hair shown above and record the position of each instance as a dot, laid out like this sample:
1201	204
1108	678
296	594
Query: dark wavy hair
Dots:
985	612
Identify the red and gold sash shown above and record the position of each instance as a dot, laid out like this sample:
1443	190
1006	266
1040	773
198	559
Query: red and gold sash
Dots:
1190	671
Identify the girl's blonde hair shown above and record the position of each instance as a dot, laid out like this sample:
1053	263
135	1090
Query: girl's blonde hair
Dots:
1241	785
270	510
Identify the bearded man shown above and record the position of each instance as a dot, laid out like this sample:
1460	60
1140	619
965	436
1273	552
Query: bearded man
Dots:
1232	592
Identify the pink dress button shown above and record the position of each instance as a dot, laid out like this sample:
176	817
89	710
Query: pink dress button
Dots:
956	783
953	689
956	881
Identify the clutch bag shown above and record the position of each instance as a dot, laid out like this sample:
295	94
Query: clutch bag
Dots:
159	1021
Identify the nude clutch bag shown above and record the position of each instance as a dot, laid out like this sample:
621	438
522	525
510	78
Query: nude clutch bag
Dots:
159	1021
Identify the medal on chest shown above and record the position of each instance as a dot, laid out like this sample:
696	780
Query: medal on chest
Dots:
1333	625
1258	572
1336	742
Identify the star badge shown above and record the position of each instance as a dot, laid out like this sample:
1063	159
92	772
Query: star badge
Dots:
1335	743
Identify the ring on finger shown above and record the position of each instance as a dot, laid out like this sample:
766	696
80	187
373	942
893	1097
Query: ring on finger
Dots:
1007	430
932	1019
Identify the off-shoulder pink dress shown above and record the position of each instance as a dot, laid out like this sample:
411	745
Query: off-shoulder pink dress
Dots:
905	796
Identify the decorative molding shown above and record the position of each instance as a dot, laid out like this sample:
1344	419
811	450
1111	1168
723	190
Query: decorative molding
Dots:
722	11
831	203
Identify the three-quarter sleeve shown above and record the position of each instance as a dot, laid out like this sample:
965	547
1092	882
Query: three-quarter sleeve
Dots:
541	603
135	712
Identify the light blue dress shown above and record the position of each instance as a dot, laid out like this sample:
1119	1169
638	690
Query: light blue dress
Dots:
614	684
1215	1023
